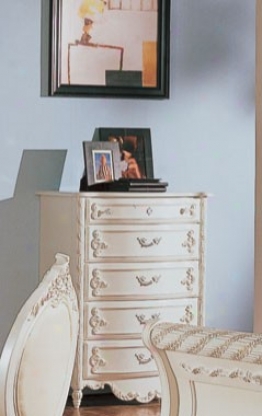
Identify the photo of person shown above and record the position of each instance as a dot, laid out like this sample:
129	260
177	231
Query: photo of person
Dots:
131	164
102	161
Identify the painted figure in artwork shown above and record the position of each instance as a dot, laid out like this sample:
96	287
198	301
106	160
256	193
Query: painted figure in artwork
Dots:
88	11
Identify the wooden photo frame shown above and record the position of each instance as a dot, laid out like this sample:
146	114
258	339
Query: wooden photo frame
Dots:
113	48
135	149
102	162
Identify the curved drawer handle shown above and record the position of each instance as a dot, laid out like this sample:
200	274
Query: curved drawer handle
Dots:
141	358
142	280
144	243
142	318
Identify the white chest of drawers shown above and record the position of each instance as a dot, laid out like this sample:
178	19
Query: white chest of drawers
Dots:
133	257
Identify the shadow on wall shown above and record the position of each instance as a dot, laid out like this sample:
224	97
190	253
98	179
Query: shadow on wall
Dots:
40	170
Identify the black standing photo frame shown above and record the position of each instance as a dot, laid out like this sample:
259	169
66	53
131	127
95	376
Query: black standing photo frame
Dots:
113	48
134	142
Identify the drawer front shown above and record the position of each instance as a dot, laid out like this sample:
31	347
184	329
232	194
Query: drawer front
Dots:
141	281
127	319
144	242
121	360
143	209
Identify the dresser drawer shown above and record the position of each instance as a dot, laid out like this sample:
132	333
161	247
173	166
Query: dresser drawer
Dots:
141	281
116	359
146	242
127	319
143	209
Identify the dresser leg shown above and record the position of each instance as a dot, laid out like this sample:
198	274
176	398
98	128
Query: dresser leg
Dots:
77	397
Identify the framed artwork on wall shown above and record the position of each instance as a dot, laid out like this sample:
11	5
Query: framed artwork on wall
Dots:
106	48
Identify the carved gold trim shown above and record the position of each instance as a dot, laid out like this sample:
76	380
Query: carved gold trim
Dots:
96	361
143	281
96	283
142	359
96	322
145	243
58	289
97	244
189	280
245	376
97	213
142	318
190	242
190	211
188	316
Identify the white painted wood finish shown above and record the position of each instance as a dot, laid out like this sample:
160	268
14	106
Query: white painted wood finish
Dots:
134	258
38	357
206	371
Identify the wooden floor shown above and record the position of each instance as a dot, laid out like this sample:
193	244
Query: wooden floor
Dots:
112	407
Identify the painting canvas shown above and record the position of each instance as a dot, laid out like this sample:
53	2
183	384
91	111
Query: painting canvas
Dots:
113	47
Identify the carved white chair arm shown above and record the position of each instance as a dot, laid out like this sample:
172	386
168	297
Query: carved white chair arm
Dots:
206	371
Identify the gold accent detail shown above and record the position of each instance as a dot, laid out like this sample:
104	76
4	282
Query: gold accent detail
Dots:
189	316
97	283
96	361
97	244
188	210
189	280
133	395
96	321
142	318
220	351
149	211
190	242
57	290
144	282
245	376
97	213
141	358
144	243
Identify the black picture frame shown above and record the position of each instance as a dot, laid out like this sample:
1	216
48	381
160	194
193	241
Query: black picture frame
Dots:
140	140
94	152
71	57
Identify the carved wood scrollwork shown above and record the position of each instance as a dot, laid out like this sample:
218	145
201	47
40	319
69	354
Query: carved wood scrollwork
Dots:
190	242
97	244
97	213
96	283
188	210
142	318
149	211
96	322
144	243
188	316
243	375
189	280
143	281
58	289
142	359
96	361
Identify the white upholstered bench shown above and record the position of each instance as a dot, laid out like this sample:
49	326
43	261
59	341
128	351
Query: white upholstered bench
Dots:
206	372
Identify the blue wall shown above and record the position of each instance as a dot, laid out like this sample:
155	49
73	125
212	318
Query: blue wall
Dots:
203	137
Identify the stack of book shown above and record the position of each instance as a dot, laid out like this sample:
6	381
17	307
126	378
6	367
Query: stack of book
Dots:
128	185
138	185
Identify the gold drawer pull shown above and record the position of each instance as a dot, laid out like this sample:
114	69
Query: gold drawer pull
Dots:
145	243
142	318
142	280
141	358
